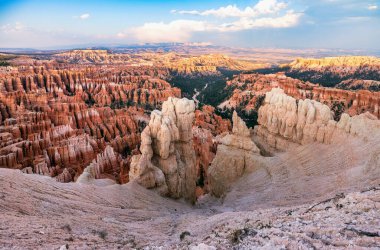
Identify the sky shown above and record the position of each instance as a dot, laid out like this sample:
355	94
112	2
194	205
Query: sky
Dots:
296	24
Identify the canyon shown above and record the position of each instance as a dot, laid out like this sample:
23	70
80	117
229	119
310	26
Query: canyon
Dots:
111	154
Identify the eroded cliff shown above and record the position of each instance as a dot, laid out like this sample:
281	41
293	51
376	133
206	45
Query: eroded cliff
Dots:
283	118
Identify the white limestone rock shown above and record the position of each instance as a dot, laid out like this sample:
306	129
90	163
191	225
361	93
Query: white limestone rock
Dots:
283	119
167	160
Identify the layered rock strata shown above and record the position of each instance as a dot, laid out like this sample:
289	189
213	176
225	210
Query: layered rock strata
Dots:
167	159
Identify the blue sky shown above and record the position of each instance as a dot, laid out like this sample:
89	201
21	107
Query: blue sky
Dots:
344	24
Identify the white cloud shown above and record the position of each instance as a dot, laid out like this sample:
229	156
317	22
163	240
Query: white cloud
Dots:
265	14
11	28
18	35
121	35
353	19
373	7
84	16
175	31
261	8
290	19
181	30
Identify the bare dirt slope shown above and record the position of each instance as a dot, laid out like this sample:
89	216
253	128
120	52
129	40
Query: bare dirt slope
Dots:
313	196
308	172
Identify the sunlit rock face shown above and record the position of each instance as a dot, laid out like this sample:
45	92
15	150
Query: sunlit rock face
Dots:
331	71
283	119
349	62
207	64
167	159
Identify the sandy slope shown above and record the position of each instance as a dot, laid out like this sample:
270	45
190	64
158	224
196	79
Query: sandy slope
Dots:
269	208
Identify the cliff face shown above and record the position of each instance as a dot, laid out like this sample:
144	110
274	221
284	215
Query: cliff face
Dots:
250	88
208	64
167	159
282	119
331	71
343	61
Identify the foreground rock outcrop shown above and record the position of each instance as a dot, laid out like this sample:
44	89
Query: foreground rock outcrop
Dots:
167	160
286	123
236	153
283	119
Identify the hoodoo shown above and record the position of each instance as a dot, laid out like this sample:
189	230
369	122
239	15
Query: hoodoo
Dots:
167	159
283	119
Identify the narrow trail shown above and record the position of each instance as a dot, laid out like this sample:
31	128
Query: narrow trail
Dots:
197	94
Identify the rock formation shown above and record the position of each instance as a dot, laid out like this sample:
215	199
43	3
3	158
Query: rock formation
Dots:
106	165
330	71
91	56
236	153
177	63
355	84
207	64
167	159
55	119
283	119
207	119
205	148
250	88
342	61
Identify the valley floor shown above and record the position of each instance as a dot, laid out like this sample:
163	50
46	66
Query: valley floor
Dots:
38	212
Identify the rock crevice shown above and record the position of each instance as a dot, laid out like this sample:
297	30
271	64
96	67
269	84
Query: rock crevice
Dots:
235	154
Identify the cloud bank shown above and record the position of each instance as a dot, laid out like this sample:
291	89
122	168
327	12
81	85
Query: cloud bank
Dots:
265	14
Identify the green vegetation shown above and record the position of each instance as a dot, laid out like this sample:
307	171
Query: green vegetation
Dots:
183	235
4	58
338	108
331	79
216	91
249	117
4	64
